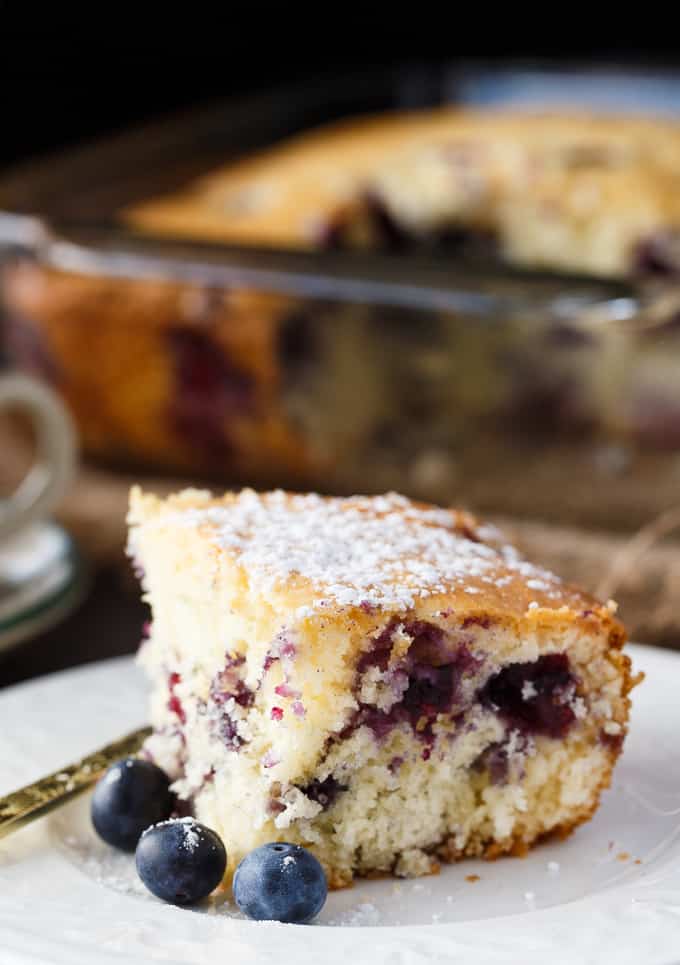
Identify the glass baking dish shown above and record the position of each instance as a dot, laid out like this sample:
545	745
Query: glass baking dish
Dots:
552	397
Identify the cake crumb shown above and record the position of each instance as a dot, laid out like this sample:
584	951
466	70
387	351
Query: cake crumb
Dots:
623	856
472	878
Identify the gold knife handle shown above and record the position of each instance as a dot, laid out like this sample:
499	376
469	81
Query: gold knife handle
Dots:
33	801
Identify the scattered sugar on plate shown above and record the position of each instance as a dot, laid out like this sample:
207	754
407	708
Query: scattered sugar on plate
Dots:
363	914
554	867
107	867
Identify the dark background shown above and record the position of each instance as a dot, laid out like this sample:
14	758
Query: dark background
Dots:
71	72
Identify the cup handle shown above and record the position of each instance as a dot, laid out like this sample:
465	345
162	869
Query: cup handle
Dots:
49	476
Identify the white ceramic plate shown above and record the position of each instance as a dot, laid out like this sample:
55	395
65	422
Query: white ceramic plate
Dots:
609	893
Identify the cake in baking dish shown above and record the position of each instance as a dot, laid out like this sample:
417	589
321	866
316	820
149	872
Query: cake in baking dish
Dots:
584	193
273	388
382	681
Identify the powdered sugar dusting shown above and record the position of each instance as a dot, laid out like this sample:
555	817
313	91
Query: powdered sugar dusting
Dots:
190	828
382	551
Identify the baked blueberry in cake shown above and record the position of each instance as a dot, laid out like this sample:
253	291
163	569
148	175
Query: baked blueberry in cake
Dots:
384	682
569	192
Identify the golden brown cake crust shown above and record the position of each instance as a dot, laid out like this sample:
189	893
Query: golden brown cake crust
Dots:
569	176
489	580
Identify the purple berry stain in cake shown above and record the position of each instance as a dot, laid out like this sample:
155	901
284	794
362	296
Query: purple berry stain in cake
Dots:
228	686
658	255
174	703
324	792
533	698
426	681
281	649
209	388
285	690
282	652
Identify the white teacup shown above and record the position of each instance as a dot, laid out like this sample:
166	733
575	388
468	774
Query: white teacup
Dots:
44	485
40	573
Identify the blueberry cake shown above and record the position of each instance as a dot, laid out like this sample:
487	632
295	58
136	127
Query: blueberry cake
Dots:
382	681
598	195
270	389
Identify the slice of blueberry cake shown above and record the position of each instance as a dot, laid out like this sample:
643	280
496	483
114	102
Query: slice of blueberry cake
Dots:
384	682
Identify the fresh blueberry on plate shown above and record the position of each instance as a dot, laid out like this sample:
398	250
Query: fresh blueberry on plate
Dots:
131	795
180	861
280	882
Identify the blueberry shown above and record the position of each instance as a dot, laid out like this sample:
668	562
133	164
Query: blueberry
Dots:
280	882
131	795
180	861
